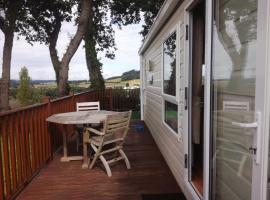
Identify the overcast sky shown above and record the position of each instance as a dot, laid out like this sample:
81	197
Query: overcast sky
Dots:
36	58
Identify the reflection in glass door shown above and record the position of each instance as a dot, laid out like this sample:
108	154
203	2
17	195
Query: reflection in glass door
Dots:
233	97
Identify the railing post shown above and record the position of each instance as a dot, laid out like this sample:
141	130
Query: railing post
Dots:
2	194
73	101
47	100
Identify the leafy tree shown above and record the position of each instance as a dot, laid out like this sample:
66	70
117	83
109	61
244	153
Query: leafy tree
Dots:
44	19
43	25
129	12
82	21
10	12
25	90
98	33
100	37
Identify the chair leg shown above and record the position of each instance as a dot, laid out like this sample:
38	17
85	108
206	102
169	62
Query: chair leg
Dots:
106	165
125	158
96	155
93	161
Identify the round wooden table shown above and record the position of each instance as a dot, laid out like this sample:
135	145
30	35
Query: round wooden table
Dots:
78	118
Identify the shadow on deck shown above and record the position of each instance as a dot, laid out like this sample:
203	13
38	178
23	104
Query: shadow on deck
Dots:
149	174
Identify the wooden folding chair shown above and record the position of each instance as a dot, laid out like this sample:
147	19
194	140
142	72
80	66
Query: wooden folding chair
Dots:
110	140
84	106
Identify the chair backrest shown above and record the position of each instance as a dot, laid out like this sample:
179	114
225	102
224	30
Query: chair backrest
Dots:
87	106
117	125
235	105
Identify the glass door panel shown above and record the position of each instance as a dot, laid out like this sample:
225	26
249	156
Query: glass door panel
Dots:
233	97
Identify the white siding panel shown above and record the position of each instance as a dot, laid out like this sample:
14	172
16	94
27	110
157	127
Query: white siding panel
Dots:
171	148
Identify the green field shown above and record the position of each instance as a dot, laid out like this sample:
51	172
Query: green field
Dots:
113	83
119	83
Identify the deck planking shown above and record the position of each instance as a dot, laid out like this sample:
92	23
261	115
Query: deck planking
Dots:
149	174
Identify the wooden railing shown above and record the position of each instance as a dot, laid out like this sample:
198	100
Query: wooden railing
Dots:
27	143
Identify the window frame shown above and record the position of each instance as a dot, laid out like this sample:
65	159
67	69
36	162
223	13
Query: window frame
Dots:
174	30
163	117
166	97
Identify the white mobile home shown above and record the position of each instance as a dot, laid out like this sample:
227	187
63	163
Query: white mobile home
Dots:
205	95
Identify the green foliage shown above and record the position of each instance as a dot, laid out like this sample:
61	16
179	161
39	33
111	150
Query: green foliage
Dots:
37	95
11	11
50	92
43	23
25	89
43	18
130	75
129	12
76	89
13	92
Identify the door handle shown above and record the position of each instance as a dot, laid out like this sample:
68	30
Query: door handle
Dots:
245	125
257	137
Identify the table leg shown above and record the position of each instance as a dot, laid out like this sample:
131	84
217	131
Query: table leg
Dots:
65	151
85	151
65	157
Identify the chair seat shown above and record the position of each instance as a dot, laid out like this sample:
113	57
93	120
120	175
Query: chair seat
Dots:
96	140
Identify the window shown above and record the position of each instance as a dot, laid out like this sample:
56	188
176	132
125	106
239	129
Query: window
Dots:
169	65
150	76
151	66
169	83
171	113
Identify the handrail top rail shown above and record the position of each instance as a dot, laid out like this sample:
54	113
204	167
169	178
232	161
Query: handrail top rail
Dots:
21	109
10	112
70	95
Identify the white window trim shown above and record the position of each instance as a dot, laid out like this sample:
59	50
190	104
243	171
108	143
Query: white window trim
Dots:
166	97
163	118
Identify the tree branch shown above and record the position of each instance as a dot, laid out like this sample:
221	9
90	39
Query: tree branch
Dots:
83	21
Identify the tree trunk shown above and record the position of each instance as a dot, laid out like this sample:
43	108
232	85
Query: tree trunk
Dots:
92	62
8	26
7	51
52	48
86	5
55	62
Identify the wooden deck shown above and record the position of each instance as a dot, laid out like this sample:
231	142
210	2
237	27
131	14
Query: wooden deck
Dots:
149	174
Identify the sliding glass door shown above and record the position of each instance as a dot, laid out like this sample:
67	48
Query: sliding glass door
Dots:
235	109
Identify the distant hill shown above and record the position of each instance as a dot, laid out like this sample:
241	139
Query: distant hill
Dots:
131	75
126	76
113	77
14	82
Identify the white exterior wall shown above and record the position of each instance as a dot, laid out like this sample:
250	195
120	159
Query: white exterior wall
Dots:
171	146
